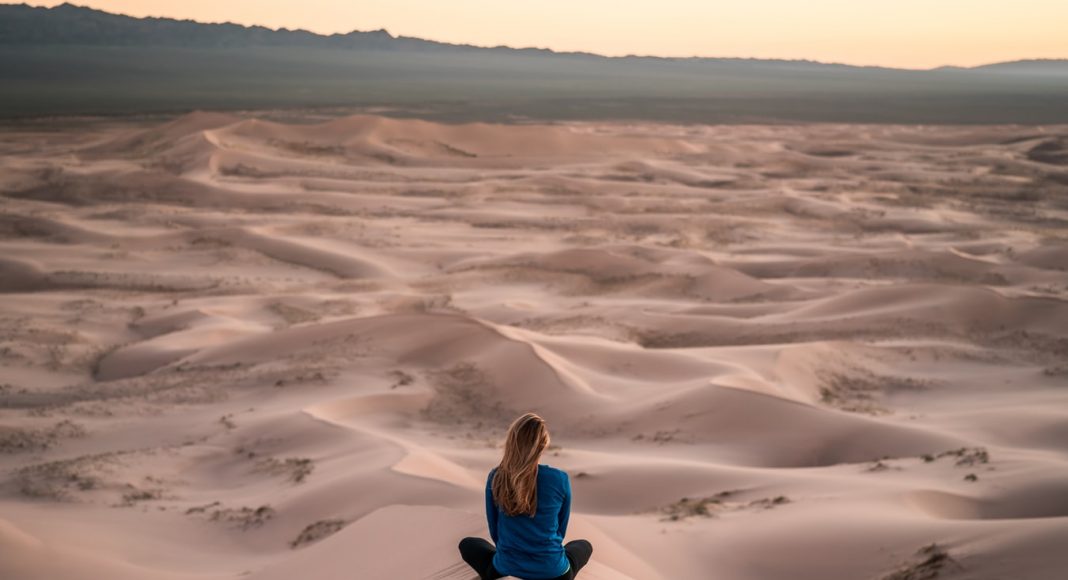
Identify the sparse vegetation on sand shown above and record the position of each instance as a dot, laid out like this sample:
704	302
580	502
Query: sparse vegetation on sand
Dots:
768	503
17	440
662	437
708	506
291	315
296	469
317	531
57	480
244	518
966	456
136	495
464	395
930	562
862	391
691	507
880	465
400	378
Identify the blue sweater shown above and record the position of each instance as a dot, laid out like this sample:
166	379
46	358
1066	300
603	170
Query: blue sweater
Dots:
531	547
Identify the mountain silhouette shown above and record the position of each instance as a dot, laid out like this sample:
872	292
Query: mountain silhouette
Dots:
76	60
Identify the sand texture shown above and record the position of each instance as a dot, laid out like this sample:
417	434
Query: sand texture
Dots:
234	347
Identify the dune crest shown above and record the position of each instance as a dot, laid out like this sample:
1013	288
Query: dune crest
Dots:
237	346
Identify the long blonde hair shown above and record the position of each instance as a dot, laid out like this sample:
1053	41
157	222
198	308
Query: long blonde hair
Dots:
515	485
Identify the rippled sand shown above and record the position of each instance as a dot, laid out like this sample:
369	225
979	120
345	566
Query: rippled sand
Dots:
235	348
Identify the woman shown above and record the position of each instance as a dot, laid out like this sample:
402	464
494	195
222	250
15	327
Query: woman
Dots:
527	506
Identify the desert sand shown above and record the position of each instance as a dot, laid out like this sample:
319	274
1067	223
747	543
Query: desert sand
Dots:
235	347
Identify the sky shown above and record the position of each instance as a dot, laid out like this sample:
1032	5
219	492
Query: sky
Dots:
897	33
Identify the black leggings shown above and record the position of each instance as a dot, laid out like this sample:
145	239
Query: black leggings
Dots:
478	553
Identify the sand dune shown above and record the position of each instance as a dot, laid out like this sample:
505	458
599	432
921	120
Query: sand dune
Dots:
234	347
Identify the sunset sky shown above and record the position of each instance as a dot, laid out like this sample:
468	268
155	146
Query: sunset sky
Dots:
902	33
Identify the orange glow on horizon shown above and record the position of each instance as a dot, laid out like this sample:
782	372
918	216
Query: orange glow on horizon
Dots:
906	33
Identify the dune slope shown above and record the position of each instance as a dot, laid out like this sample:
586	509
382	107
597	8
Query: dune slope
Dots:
236	347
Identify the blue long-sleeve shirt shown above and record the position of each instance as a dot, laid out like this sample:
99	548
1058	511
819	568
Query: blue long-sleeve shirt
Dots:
531	547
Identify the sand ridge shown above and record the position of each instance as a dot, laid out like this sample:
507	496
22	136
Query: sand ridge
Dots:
235	347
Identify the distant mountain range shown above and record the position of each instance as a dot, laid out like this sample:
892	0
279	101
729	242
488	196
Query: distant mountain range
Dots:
69	24
76	60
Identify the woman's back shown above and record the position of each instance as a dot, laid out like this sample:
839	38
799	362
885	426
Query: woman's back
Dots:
532	546
529	542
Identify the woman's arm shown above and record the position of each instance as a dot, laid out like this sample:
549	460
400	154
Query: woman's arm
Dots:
491	507
565	507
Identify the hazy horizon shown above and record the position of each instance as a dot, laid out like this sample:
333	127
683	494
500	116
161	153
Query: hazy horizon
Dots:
909	34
